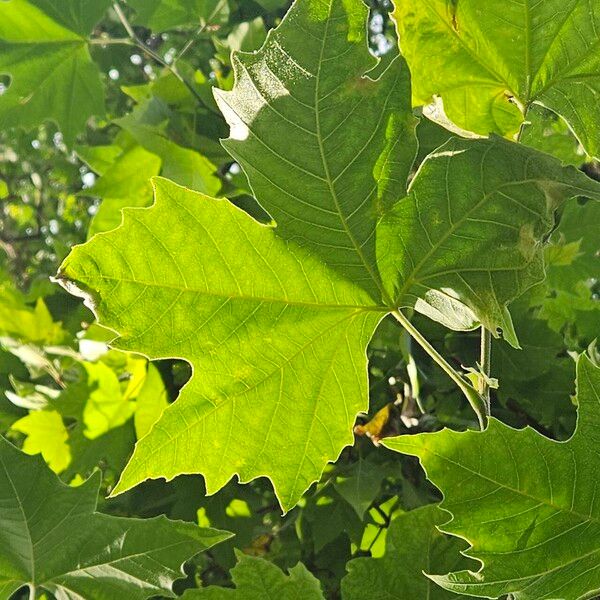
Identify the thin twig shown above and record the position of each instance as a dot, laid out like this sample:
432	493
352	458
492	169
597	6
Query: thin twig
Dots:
485	364
203	27
153	55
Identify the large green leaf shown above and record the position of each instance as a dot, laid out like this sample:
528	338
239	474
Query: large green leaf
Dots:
413	545
325	147
52	539
263	323
491	61
527	505
258	579
43	48
468	238
277	317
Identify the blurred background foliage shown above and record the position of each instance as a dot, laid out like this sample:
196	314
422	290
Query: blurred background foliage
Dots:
66	395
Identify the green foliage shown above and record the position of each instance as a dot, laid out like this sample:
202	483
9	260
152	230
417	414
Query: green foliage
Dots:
413	544
526	504
467	197
255	579
45	53
363	268
300	328
489	65
100	556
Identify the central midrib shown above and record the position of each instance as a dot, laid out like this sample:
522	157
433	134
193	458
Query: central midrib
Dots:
373	275
260	299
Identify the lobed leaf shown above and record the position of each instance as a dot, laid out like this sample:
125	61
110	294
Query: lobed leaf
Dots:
52	539
490	62
257	579
276	339
413	545
526	504
468	239
43	48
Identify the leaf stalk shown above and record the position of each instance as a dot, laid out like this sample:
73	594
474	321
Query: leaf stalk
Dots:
477	403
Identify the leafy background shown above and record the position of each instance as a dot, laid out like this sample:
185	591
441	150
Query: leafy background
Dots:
65	175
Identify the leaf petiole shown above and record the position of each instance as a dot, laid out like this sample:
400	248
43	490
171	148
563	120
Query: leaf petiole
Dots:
475	400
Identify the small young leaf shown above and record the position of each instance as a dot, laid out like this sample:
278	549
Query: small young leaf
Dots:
51	539
526	504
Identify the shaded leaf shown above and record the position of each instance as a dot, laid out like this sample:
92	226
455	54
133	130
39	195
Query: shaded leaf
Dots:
100	556
43	48
526	504
468	197
257	579
161	15
360	484
322	172
413	546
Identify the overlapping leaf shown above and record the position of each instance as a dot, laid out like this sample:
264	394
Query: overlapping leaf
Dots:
490	61
161	15
528	505
43	49
263	323
468	238
413	546
52	540
276	317
326	148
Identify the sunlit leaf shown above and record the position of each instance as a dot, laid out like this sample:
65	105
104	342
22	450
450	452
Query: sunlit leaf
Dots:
490	62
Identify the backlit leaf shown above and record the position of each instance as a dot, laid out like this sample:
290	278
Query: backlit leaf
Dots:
489	61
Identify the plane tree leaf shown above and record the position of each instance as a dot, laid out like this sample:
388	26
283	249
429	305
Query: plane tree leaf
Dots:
526	504
263	322
468	239
44	51
270	317
52	539
326	148
413	545
490	62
